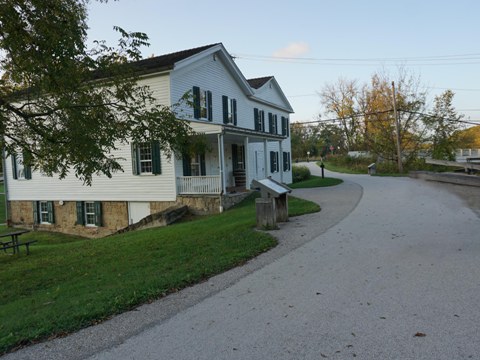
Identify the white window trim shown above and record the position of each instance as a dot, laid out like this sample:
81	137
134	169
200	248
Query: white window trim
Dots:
41	212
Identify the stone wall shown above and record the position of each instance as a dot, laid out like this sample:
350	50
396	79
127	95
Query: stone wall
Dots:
114	218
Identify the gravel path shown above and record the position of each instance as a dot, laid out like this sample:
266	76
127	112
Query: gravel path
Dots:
387	270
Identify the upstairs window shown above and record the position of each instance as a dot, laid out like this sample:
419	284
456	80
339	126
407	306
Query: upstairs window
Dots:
229	110
202	104
285	127
19	170
272	123
259	119
146	158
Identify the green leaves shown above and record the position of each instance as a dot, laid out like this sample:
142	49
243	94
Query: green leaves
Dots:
70	107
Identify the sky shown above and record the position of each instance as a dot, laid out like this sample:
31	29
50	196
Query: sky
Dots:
307	44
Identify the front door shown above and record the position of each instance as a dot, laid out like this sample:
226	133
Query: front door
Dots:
259	165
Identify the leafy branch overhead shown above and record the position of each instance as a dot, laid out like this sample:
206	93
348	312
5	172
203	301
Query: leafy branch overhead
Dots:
66	107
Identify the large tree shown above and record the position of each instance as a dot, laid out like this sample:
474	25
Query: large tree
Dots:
67	107
444	124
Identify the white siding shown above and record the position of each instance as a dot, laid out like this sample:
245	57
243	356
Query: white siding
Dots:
160	87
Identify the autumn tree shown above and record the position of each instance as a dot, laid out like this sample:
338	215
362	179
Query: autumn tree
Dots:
444	124
67	107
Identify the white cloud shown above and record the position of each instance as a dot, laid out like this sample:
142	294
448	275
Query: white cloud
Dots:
292	50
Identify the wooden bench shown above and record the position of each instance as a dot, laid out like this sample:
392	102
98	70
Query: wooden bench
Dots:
11	245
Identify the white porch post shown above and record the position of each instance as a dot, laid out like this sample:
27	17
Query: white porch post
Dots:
247	163
265	156
221	159
280	160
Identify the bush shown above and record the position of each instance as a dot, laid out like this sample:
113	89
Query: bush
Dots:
300	173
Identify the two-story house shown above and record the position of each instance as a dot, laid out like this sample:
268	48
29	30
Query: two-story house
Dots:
246	123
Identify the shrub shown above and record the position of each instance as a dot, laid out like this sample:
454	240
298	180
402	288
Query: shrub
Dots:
300	173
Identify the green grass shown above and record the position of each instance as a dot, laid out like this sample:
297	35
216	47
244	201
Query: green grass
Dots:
344	169
315	181
69	282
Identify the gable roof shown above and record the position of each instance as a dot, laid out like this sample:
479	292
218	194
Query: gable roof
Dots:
167	61
259	82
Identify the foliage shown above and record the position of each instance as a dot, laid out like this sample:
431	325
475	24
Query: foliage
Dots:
300	173
443	123
469	138
315	181
68	282
348	164
66	107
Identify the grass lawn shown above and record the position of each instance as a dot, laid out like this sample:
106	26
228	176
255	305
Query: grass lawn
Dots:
69	282
343	169
315	181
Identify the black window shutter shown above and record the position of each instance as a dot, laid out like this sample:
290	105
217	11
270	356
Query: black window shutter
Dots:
255	119
98	213
234	110
225	109
270	123
275	124
196	102
14	166
262	119
288	127
272	161
156	162
235	156
284	126
203	169
187	168
27	172
35	205
51	215
80	213
289	161
277	163
209	106
135	162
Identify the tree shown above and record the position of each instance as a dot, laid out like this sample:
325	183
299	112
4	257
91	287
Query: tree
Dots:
444	125
66	107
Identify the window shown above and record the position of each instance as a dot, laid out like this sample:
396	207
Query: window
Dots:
286	161
272	123
89	213
146	158
259	119
285	127
229	110
274	161
202	104
19	170
194	165
43	212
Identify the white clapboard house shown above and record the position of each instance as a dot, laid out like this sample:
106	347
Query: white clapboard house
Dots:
246	123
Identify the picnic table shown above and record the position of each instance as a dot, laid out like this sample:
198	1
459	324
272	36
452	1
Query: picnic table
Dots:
14	242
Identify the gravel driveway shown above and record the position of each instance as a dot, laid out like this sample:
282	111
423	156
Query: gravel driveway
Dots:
389	269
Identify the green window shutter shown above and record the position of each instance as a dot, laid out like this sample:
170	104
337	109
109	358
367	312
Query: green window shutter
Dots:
98	213
203	169
187	168
156	161
196	102
270	123
275	124
35	205
135	162
209	109
262	120
51	215
288	127
289	157
284	126
225	109
14	166
234	110
272	161
285	165
28	172
235	156
256	119
80	213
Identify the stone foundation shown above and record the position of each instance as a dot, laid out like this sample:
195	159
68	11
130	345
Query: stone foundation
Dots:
114	218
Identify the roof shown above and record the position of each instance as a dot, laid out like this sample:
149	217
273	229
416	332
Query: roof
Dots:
167	61
259	82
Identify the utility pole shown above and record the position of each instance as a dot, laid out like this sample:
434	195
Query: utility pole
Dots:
397	127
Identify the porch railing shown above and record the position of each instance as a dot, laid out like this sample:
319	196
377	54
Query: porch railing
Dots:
199	184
